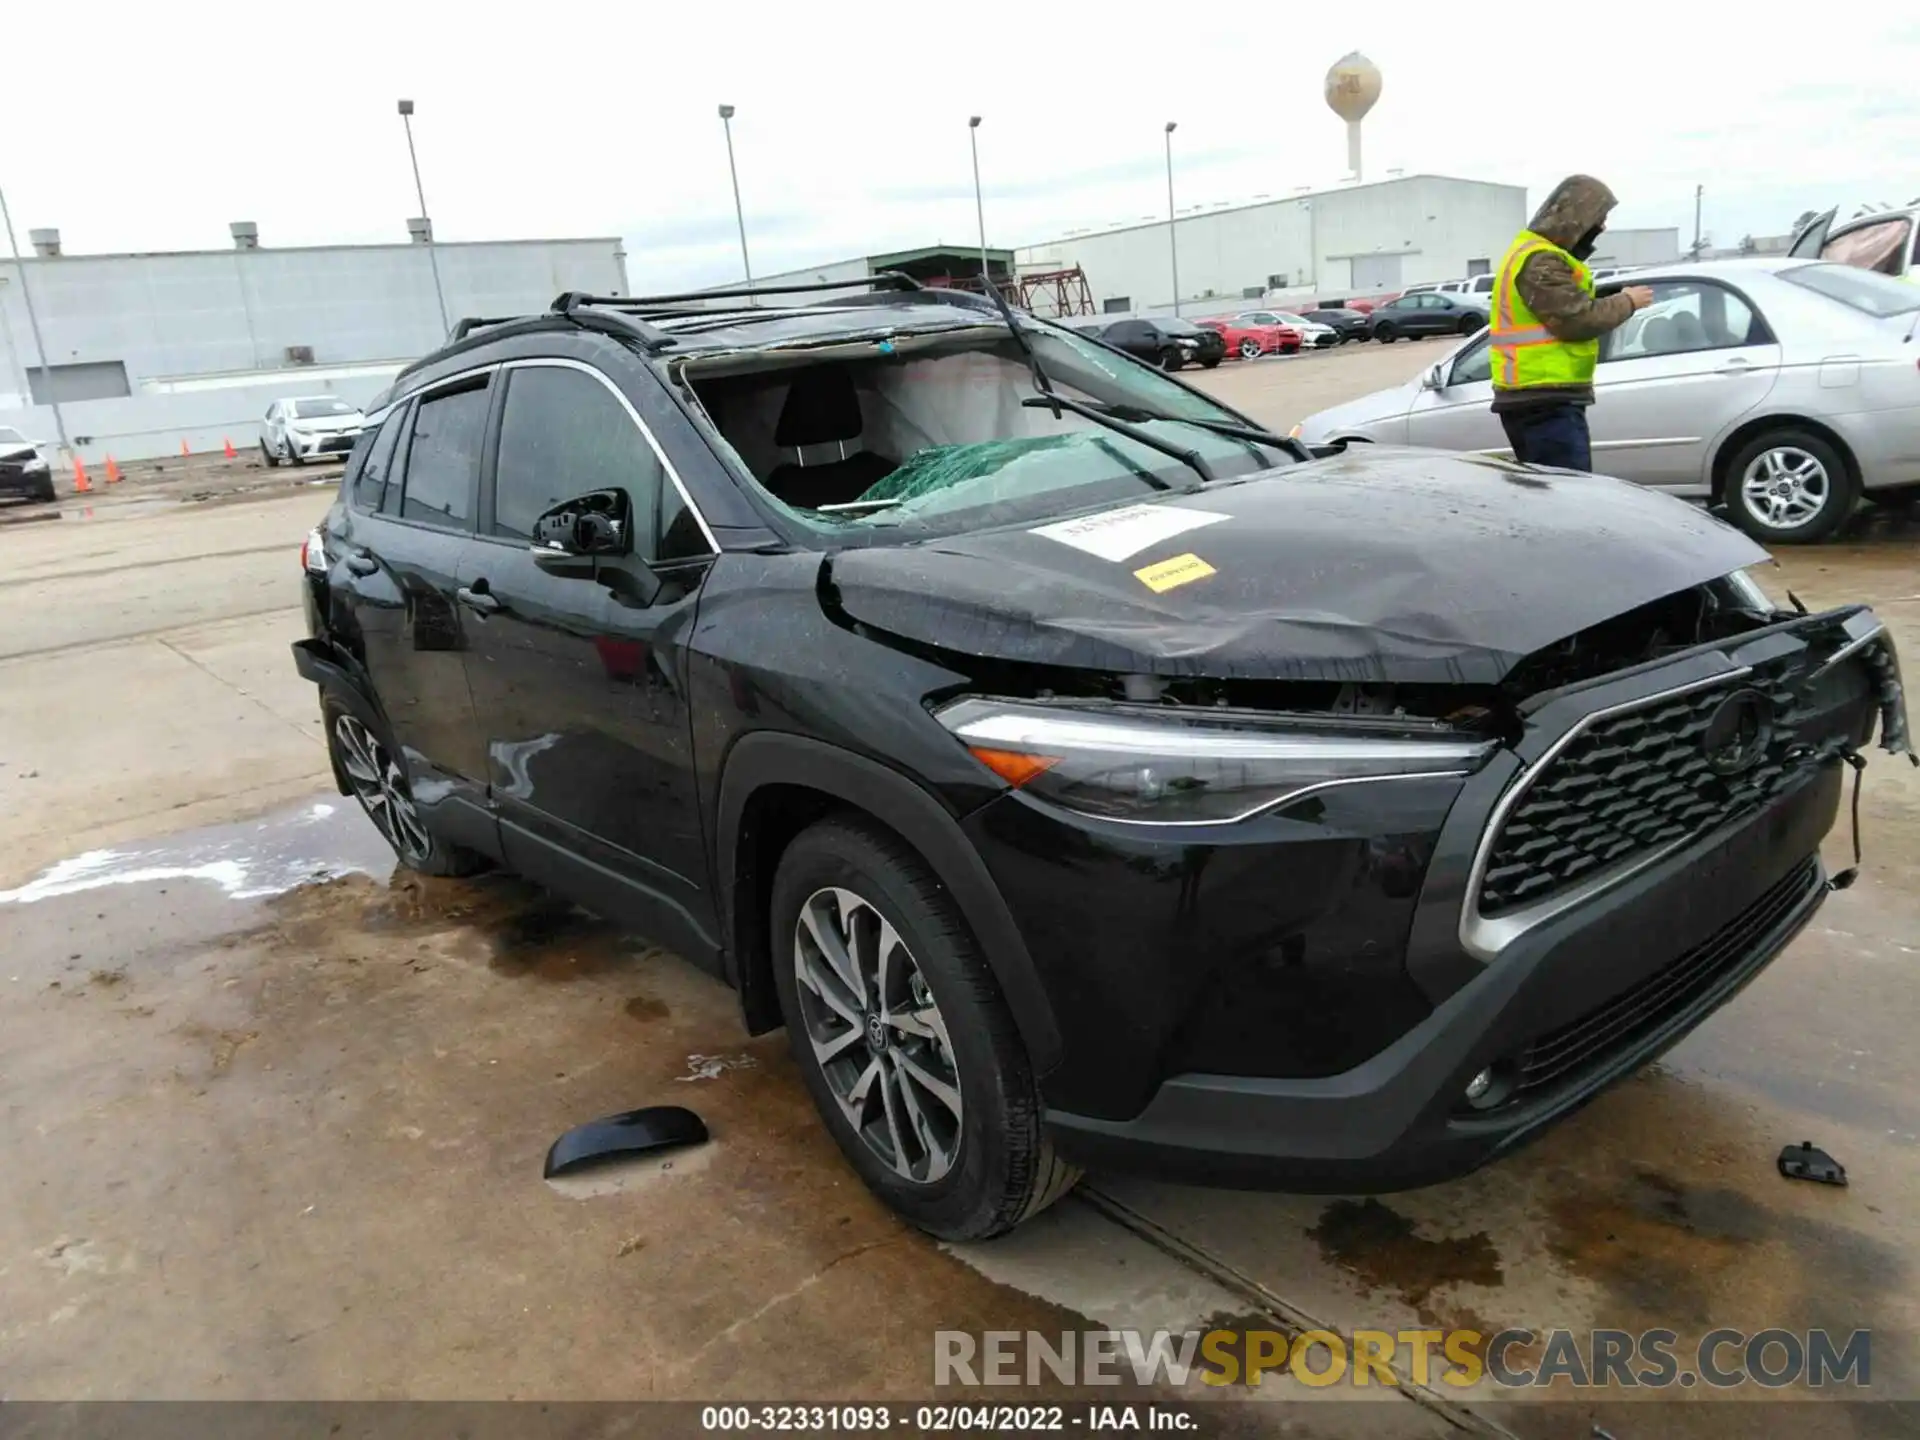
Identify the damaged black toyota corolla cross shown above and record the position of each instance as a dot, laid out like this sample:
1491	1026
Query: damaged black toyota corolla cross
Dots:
1082	774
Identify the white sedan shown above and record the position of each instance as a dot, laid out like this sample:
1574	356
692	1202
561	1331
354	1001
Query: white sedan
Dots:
1784	389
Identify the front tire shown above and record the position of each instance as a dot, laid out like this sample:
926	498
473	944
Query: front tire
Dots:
1171	360
266	454
1211	364
375	777
1790	487
294	457
903	1039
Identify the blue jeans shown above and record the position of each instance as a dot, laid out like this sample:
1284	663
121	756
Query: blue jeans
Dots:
1549	435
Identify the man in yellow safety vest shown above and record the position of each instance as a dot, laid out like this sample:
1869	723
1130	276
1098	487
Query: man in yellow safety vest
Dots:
1546	326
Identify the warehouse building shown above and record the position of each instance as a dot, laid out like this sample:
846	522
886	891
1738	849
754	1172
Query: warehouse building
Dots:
146	351
1353	241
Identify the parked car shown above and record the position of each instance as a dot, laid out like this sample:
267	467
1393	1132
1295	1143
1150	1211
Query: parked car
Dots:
1425	287
1312	333
1345	322
1166	341
1782	389
1079	772
1883	240
1250	340
24	471
312	427
1427	313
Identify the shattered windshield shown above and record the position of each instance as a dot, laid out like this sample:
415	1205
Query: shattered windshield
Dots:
909	437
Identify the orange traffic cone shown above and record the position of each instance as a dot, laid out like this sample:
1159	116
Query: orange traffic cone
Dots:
113	472
80	484
183	448
230	451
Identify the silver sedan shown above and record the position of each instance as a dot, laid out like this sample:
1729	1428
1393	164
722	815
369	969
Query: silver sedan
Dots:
1783	389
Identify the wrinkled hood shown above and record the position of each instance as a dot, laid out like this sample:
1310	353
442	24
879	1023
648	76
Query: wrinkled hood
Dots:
12	454
1577	204
1387	565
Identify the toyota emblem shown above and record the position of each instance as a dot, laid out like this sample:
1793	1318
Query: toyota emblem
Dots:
1738	732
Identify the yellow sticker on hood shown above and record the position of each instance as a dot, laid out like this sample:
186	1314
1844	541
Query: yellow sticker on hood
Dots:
1169	574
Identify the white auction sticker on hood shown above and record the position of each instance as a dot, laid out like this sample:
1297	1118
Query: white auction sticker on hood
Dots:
1117	534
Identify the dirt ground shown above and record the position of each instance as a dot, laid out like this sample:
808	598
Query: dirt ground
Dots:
274	1116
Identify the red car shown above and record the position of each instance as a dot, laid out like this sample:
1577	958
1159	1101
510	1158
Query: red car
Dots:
1250	341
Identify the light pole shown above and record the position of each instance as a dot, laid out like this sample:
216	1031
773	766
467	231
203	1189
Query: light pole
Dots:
979	210
14	363
433	259
33	321
733	174
1173	245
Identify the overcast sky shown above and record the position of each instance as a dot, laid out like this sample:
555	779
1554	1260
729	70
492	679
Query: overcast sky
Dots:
150	127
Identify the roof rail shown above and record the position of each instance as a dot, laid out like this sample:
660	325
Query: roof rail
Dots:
471	323
885	280
594	312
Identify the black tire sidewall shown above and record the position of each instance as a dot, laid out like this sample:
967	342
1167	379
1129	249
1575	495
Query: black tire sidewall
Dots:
1842	494
1384	334
968	1199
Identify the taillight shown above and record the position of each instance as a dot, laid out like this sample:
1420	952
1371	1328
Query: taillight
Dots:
313	553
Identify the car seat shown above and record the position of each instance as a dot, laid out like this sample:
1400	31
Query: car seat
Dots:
822	409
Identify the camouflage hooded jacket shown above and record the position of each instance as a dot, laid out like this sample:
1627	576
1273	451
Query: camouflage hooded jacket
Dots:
1546	283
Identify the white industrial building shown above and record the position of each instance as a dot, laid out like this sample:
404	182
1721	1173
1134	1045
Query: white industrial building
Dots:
1356	240
145	351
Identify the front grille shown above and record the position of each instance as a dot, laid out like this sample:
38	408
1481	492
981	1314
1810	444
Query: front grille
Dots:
1632	783
1668	991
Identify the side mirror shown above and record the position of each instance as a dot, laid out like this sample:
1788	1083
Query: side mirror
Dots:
573	535
1435	379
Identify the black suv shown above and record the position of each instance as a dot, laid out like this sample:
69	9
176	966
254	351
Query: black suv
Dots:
1080	772
1162	340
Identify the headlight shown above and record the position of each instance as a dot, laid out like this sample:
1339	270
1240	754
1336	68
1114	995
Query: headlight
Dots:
1150	767
35	465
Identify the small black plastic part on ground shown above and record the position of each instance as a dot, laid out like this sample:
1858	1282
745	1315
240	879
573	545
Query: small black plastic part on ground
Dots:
621	1137
1806	1161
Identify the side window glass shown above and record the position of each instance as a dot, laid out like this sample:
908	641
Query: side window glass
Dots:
1878	246
1472	366
563	434
1684	318
375	453
443	457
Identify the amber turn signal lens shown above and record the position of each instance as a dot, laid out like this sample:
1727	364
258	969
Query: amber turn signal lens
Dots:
1013	766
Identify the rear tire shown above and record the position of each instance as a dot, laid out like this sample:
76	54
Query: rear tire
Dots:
919	1013
1471	325
1385	334
1251	349
375	777
1790	487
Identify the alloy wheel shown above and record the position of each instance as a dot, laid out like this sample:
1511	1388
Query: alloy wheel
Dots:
877	1034
1249	349
381	788
1786	487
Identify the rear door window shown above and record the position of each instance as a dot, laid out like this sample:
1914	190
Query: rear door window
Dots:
373	456
443	457
1686	316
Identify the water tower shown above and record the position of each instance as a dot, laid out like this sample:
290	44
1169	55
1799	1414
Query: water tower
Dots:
1353	85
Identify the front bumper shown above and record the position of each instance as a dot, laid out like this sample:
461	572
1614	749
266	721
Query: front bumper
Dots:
1301	1000
1673	946
322	447
17	480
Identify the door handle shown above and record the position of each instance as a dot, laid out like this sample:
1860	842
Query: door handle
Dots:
477	598
361	562
1735	367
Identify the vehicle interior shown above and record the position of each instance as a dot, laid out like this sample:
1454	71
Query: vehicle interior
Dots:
862	426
